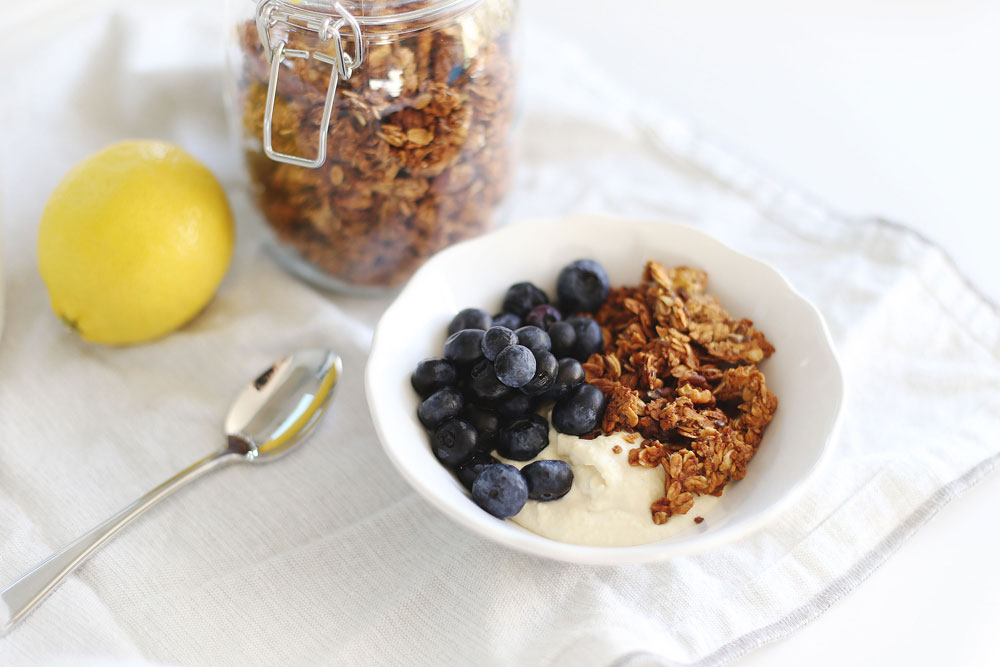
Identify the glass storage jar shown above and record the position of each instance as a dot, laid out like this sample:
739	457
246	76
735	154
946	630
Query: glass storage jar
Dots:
375	132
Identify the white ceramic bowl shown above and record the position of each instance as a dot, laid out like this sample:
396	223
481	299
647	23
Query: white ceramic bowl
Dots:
803	373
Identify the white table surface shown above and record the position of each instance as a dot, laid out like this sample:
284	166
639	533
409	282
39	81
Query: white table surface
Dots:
879	109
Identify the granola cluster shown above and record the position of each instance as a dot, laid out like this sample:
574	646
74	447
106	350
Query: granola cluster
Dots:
680	372
418	154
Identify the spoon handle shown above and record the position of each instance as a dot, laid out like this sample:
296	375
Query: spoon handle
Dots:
24	594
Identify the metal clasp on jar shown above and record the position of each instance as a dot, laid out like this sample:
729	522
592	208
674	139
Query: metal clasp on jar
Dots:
328	27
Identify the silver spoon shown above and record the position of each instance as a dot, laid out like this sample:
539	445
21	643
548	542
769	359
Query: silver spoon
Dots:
276	412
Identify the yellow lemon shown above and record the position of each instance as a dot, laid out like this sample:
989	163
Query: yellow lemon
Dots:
134	241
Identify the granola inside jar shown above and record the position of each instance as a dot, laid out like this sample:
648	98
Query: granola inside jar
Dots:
416	98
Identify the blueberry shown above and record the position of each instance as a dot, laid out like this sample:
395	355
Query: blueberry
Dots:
543	316
522	297
523	439
500	489
443	404
580	411
570	374
454	442
534	339
487	423
582	286
563	337
433	374
546	368
515	366
470	318
548	480
469	471
495	339
465	346
483	384
517	405
509	320
589	339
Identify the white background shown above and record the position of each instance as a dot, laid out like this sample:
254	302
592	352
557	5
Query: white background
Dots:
887	108
878	108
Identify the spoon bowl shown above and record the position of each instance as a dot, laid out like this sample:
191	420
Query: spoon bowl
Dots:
281	407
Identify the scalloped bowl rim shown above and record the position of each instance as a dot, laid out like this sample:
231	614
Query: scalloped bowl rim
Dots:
408	460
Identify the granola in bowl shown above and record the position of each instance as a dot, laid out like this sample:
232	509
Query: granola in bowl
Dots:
682	373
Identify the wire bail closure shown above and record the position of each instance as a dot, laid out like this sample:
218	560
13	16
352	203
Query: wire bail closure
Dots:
328	27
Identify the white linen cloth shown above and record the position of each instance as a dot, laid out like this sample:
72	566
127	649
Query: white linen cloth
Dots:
328	557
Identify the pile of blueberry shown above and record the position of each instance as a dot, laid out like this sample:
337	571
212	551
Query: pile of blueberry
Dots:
497	372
